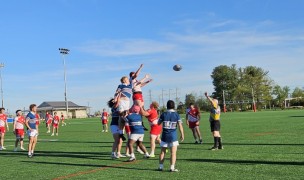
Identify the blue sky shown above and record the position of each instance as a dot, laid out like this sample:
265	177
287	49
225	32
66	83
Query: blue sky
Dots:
108	39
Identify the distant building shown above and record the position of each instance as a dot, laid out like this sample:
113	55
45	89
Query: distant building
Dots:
75	111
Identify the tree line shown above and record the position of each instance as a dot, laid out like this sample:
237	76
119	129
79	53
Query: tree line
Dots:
240	87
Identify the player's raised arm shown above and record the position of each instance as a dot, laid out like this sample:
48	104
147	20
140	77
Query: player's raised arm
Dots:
143	112
138	71
209	98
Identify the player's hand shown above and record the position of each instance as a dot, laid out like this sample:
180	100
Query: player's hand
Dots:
181	138
14	132
142	65
147	76
146	129
206	94
187	122
197	123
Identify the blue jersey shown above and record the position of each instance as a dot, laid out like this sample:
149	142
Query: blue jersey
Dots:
135	123
126	90
115	116
169	120
31	118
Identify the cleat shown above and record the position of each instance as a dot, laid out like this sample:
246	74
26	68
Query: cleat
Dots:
15	149
213	148
140	151
152	155
173	170
3	148
102	131
121	156
30	155
159	169
113	156
132	159
196	142
22	148
201	141
128	155
221	147
147	156
52	135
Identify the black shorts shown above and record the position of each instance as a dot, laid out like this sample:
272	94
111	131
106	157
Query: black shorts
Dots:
215	125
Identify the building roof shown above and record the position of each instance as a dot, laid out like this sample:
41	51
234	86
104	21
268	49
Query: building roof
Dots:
57	105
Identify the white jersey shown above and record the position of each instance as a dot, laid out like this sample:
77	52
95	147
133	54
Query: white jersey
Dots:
136	86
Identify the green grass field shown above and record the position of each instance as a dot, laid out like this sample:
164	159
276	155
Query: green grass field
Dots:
262	145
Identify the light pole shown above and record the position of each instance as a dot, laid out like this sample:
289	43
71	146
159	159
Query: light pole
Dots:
64	52
1	66
224	102
253	102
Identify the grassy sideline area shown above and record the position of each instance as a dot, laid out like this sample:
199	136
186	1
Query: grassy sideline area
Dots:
261	145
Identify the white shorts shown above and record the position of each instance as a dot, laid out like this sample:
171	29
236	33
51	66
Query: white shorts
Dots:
168	145
124	105
139	137
114	129
32	133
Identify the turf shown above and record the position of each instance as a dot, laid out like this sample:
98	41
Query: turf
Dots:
261	145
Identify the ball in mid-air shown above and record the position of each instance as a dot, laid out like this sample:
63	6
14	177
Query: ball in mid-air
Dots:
177	67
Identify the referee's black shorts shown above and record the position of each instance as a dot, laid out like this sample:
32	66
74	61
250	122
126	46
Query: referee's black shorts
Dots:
215	125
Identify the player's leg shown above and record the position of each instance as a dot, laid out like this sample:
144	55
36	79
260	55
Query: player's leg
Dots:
53	131
30	145
17	141
106	127
152	144
21	142
197	130
34	144
131	151
57	129
142	147
162	156
2	140
173	150
194	135
115	145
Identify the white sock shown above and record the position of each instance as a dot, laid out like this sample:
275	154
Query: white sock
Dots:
132	155
29	153
32	151
172	167
161	166
152	152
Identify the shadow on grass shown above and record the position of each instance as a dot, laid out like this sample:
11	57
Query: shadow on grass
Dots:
260	144
248	162
58	154
297	116
118	166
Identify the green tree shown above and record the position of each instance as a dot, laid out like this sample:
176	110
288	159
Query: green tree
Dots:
280	95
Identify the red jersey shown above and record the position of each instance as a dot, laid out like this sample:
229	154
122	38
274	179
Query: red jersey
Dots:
3	119
56	120
193	115
104	116
37	119
153	116
19	122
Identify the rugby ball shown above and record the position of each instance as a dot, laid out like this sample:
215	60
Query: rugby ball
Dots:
177	67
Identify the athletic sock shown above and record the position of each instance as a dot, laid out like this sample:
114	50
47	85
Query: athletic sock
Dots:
132	155
220	141
215	142
172	167
29	153
161	166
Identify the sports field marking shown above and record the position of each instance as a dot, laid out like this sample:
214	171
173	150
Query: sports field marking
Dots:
95	170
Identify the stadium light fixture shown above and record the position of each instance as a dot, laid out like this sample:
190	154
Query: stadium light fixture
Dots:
1	66
64	52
